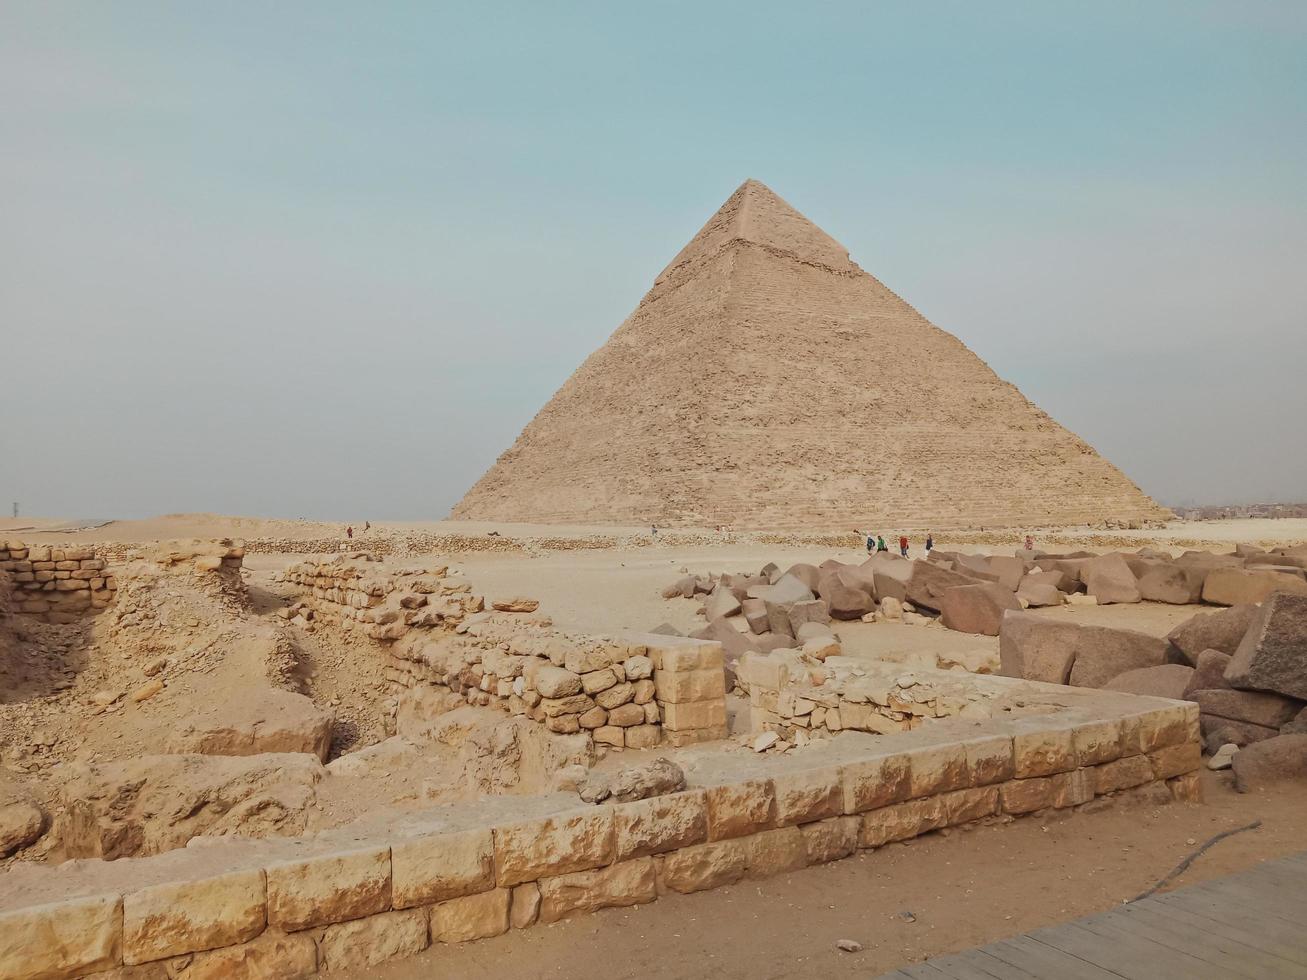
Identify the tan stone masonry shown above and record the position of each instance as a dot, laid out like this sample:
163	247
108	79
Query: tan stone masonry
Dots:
466	871
56	584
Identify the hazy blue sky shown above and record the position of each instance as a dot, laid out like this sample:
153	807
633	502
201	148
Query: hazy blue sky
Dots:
327	259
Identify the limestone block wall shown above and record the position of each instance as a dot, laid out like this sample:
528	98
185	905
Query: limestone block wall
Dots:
632	691
290	908
57	584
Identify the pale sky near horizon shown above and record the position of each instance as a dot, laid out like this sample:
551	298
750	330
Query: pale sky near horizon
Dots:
326	259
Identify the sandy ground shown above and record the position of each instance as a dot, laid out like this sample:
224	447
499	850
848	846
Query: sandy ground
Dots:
1268	532
904	902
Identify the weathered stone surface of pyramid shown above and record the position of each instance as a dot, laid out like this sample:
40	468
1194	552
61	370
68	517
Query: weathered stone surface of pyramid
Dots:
766	381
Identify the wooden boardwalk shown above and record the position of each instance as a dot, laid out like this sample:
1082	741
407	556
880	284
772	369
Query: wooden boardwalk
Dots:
1252	924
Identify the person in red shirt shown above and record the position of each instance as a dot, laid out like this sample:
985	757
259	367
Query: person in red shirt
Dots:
903	545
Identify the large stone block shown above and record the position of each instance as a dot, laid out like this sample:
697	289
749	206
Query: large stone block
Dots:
1233	586
990	759
272	956
976	608
928	582
1162	681
690	685
694	715
1175	760
1177	584
775	852
62	939
704	866
1019	796
807	794
327	888
574	841
1265	763
937	769
1127	773
876	782
680	652
1108	579
1255	707
831	839
965	805
253	722
1222	630
902	821
189	916
1042	748
739	809
1103	654
660	823
366	942
1209	673
440	866
1096	742
1273	653
461	920
1036	648
622	884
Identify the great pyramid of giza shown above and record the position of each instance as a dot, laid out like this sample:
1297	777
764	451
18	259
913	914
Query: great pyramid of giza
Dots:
766	381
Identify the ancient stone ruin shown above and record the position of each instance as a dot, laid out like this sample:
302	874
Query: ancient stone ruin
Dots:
767	381
343	761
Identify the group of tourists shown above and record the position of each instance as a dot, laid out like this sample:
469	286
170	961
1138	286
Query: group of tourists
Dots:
876	543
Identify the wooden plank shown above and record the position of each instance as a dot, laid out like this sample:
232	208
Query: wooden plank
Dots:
1247	897
964	966
1246	958
1044	961
1234	959
923	971
1282	941
1190	963
1128	956
1270	929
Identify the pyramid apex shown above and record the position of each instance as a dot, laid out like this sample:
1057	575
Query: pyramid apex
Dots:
757	215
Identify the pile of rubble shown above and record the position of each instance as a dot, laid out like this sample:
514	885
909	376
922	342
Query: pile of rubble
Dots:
970	593
1245	666
794	700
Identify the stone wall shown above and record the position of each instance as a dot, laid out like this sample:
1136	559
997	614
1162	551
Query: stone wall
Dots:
233	907
632	691
384	603
57	584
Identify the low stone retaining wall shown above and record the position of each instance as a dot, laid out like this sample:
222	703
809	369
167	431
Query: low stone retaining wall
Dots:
386	603
57	584
634	691
243	908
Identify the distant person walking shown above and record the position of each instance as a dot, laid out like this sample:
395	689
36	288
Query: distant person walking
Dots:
880	544
349	531
871	542
903	545
367	525
930	544
1030	543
